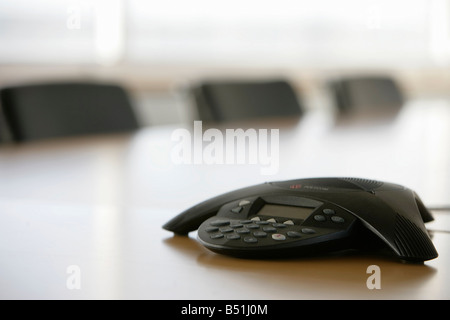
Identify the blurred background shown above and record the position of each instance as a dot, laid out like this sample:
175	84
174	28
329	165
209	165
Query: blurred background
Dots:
158	48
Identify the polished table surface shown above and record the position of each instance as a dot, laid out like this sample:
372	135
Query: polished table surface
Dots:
93	207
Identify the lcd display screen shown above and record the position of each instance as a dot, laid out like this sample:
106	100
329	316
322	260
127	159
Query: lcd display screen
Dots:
285	211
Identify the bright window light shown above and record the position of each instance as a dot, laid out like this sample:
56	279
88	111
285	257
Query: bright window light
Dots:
284	33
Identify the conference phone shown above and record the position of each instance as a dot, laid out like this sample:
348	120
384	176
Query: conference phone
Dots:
312	216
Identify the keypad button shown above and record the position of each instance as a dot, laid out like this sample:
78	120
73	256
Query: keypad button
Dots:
272	220
245	221
294	234
320	218
236	225
233	236
216	236
252	226
226	230
259	234
211	229
337	219
242	231
250	240
244	203
269	229
220	223
289	222
308	231
255	219
236	210
278	237
328	211
262	222
279	225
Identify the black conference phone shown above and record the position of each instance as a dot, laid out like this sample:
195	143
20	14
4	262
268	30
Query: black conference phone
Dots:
309	216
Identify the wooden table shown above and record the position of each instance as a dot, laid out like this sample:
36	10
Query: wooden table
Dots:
81	218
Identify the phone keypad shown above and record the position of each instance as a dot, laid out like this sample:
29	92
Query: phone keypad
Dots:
252	230
266	230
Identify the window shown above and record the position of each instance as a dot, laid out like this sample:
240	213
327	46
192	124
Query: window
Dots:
320	33
283	33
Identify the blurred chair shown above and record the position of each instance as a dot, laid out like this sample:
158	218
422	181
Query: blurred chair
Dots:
369	93
52	110
226	101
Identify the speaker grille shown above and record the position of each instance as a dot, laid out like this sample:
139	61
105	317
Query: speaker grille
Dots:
365	184
412	242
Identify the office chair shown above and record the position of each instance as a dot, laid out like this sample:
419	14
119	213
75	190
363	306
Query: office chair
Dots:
52	110
226	101
356	94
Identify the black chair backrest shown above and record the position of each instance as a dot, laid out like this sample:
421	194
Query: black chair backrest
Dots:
225	101
369	92
44	111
